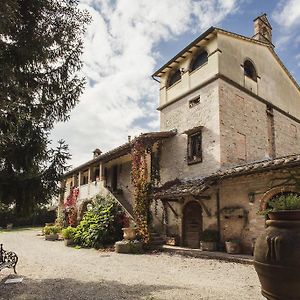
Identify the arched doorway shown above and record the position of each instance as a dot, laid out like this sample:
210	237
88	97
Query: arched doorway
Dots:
192	224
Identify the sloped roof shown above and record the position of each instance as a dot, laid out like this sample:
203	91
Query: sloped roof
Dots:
264	19
198	185
211	32
124	149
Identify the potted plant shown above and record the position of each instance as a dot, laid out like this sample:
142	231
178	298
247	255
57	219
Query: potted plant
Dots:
209	240
276	253
68	235
51	232
172	240
233	246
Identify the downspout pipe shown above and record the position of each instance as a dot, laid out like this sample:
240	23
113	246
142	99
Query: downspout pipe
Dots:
152	76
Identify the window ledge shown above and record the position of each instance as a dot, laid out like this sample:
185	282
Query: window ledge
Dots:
193	130
194	161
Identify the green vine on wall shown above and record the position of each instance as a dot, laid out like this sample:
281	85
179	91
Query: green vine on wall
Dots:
141	188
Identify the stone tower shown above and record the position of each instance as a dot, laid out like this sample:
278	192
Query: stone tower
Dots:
262	29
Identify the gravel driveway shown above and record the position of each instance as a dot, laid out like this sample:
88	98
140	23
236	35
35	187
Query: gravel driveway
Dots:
53	271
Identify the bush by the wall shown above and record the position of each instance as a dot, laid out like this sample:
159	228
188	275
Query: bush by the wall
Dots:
39	217
101	224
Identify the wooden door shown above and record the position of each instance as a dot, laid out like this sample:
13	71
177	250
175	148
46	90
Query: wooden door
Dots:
192	224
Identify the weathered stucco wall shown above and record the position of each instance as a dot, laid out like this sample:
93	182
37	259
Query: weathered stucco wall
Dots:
181	117
274	85
190	80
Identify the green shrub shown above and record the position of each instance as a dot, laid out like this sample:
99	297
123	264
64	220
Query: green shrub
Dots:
283	202
68	233
210	235
51	230
39	216
101	225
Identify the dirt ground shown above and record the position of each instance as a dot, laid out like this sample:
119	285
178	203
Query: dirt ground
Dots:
53	271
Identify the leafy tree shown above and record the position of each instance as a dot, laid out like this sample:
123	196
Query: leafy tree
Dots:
41	42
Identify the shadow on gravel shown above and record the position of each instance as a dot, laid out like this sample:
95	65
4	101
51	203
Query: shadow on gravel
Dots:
72	289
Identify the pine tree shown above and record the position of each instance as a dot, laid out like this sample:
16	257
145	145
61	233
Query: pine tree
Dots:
41	42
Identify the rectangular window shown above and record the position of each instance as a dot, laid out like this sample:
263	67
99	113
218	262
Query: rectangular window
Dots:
194	102
194	148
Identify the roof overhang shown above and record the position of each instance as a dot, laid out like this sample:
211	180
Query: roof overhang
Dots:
149	137
194	187
208	34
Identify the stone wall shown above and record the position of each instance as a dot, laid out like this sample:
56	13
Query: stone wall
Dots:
251	193
180	116
287	135
172	224
243	127
244	196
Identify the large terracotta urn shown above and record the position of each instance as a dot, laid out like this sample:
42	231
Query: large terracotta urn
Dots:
277	256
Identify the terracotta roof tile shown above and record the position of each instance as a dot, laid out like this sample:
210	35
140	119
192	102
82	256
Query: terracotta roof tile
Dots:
195	186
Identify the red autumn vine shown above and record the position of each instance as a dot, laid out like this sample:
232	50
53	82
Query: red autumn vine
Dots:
70	206
139	178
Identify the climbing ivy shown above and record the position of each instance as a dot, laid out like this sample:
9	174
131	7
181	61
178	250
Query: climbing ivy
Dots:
141	187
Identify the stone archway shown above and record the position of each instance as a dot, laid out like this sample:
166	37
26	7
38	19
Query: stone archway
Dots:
192	224
267	196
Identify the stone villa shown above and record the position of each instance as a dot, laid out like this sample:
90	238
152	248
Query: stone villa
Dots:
229	140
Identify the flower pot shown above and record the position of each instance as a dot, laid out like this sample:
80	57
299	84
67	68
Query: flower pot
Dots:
68	242
208	246
233	247
51	237
129	233
277	256
172	241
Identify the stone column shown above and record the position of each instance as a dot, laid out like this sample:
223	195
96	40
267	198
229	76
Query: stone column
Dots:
79	179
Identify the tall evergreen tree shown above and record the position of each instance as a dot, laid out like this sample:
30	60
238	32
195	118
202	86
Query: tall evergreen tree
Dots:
41	42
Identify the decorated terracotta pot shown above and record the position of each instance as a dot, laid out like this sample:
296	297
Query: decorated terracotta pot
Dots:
277	256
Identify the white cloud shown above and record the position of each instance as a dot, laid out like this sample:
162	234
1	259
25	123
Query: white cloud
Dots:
287	13
121	98
287	16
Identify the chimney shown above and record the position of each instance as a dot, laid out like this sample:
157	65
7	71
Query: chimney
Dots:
262	29
97	152
129	138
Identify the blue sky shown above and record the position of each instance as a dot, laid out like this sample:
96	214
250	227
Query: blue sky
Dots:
241	22
129	39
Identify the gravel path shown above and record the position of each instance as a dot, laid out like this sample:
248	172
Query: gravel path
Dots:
53	271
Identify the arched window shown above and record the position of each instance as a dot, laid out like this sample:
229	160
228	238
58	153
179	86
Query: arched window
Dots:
199	60
249	70
174	77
